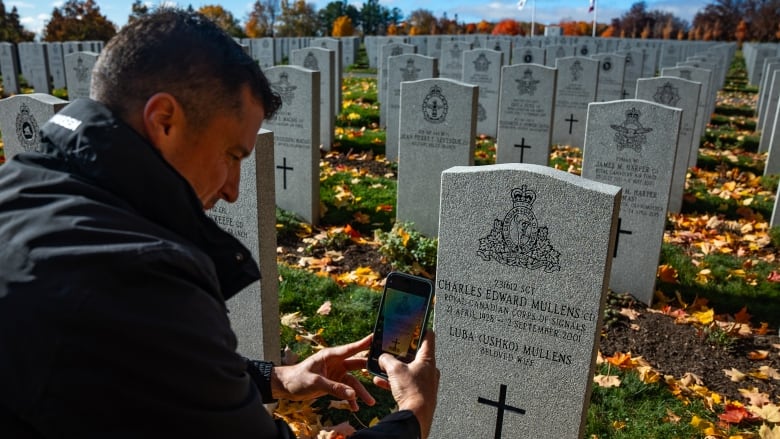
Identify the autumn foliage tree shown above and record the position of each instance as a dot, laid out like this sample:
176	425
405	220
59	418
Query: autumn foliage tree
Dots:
78	21
258	23
422	22
224	19
298	19
11	29
342	27
507	27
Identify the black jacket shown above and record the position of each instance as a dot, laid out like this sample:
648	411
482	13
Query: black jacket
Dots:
113	284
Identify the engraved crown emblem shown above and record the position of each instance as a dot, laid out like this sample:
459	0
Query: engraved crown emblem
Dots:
632	117
523	197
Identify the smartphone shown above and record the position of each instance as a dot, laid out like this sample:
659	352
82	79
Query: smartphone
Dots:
400	323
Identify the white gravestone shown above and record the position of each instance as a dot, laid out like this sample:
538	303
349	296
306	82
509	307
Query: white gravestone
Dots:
576	88
323	61
482	67
78	72
21	118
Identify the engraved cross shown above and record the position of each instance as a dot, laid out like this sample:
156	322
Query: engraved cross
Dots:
522	147
501	405
284	169
571	121
617	238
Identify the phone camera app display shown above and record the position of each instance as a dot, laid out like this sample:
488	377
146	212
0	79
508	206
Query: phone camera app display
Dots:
400	325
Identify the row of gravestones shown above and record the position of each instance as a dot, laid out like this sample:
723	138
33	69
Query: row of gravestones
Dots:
526	252
269	51
49	65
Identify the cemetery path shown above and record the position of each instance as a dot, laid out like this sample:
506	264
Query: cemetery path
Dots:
670	347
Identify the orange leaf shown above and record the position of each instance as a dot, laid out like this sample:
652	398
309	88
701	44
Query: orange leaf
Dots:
384	207
758	355
742	316
351	232
667	274
621	360
774	276
735	414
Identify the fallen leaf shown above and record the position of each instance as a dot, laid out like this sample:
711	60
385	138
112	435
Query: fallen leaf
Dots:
340	431
293	320
630	313
704	317
755	397
742	316
758	355
768	412
774	276
767	432
325	308
735	414
671	417
340	405
734	375
607	380
668	274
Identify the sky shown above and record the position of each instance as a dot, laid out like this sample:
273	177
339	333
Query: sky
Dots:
35	13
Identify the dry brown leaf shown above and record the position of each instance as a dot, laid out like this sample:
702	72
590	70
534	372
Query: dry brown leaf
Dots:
755	397
734	375
630	313
325	308
758	355
607	380
768	412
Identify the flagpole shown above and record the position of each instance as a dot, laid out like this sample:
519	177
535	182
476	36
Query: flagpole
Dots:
533	17
595	13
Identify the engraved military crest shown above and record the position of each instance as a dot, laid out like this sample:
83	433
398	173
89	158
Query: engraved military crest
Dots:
410	72
481	64
310	62
576	71
631	134
667	94
584	51
285	90
527	84
606	64
396	50
629	60
81	70
434	106
26	128
517	240
528	57
481	112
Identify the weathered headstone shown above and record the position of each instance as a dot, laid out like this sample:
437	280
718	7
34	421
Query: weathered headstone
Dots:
9	66
56	64
386	51
482	67
528	55
438	130
35	68
402	68
612	70
770	65
683	94
263	51
78	72
254	312
576	88
702	111
634	65
324	61
21	118
554	53
631	144
451	61
525	114
772	165
520	289
296	128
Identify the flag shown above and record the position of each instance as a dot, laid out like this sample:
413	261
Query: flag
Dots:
520	5
592	6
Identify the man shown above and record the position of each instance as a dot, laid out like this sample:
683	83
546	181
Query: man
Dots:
113	281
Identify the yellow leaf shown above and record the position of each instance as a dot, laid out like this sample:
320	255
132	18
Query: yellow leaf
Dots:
770	372
767	432
704	317
340	405
618	425
373	422
769	412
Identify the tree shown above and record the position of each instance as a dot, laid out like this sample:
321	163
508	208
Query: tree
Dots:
639	22
137	10
507	26
297	19
422	22
257	25
224	19
484	27
78	21
333	11
342	27
11	29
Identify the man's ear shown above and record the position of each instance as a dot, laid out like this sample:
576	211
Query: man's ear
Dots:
163	121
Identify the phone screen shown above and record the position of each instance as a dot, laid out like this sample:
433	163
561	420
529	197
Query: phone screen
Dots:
401	321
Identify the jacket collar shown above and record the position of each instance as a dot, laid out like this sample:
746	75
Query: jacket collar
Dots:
89	141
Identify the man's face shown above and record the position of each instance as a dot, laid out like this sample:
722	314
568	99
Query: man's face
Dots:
211	160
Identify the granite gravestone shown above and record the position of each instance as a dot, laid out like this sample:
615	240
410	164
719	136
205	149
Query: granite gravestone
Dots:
323	61
634	65
56	64
773	84
9	66
334	45
553	53
772	165
525	114
770	65
702	110
528	55
451	61
438	130
521	281
296	128
683	94
576	88
21	118
263	51
386	51
402	68
482	67
78	73
32	57
71	47
631	144
254	312
503	46
612	69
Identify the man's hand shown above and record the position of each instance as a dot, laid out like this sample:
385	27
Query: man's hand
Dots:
324	373
414	385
